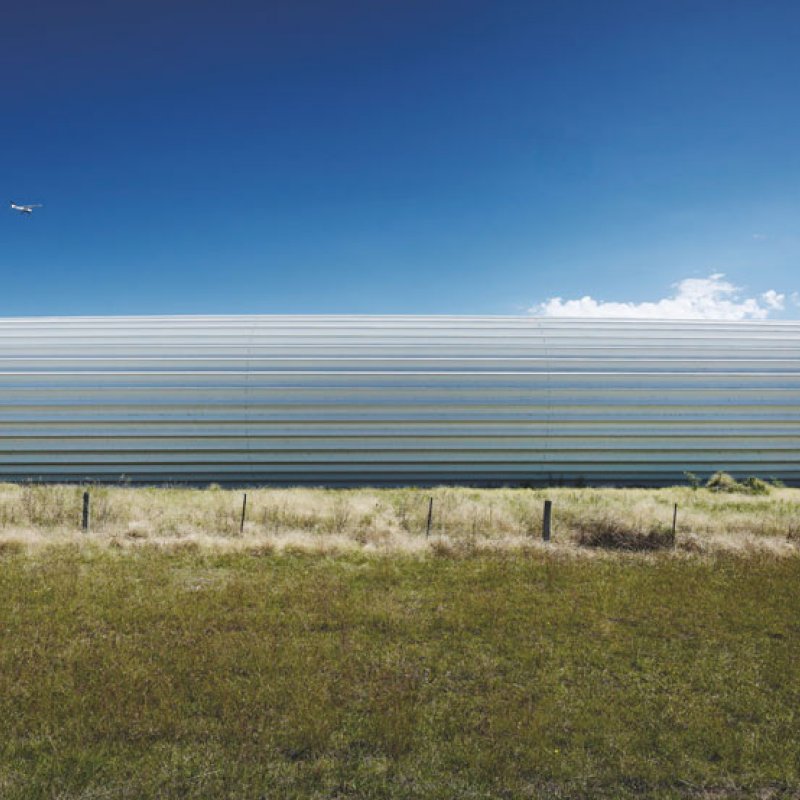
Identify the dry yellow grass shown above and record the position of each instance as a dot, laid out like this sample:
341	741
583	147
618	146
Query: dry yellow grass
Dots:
387	520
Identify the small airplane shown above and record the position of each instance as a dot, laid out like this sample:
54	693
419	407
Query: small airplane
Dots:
25	209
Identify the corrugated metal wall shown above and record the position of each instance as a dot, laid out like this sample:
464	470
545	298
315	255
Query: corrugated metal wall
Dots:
375	400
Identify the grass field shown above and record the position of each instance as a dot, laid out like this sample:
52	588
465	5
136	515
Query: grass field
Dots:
165	655
395	520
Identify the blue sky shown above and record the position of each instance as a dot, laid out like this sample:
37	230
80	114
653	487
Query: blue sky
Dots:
398	157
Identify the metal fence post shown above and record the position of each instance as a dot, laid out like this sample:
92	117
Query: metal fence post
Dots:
548	511
244	509
430	518
674	522
85	517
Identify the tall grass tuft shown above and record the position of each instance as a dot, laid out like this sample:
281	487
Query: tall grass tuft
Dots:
615	534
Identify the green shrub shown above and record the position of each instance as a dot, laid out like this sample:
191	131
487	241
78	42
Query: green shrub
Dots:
723	482
756	485
692	480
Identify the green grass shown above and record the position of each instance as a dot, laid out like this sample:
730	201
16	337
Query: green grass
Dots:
186	673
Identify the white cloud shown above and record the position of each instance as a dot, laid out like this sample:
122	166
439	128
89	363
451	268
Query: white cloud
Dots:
774	300
694	298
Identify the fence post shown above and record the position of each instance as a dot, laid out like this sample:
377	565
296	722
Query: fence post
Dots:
244	509
548	510
85	517
430	518
674	522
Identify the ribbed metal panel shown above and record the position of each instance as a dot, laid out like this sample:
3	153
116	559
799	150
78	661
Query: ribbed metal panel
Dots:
348	400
